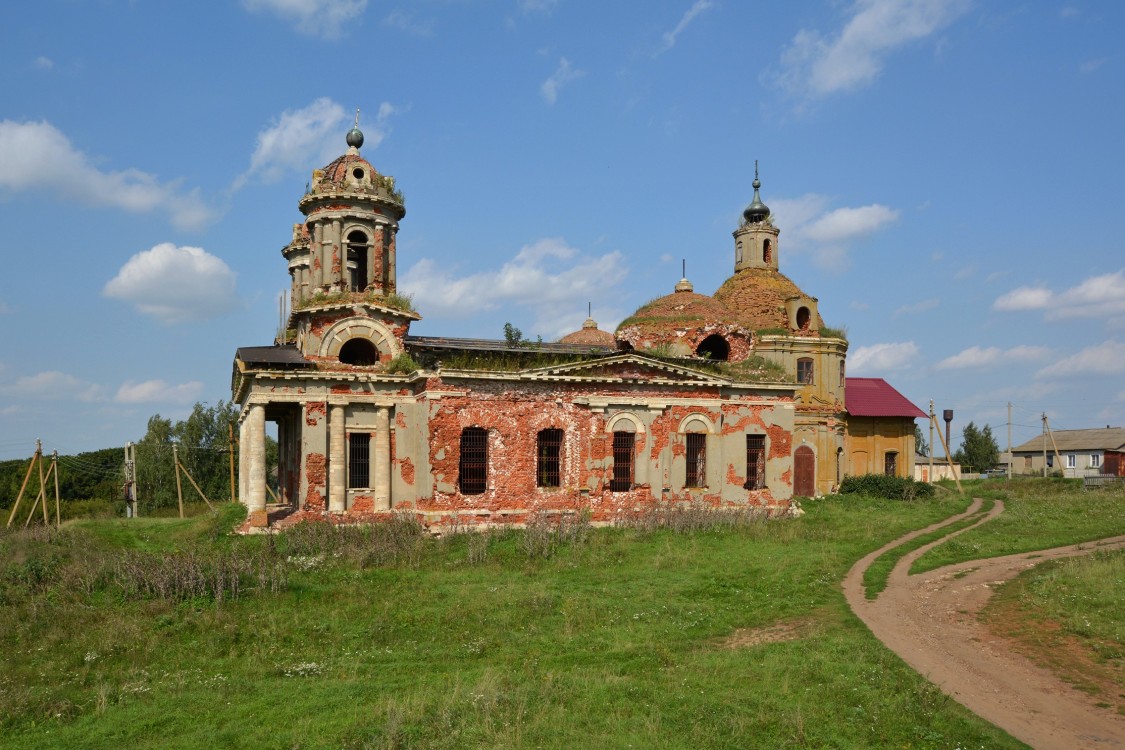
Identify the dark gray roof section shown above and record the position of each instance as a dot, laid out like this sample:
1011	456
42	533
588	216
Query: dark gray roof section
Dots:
272	356
494	345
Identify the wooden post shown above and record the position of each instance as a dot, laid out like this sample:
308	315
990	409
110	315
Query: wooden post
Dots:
41	497
230	446
26	477
1055	446
42	487
179	488
58	507
196	486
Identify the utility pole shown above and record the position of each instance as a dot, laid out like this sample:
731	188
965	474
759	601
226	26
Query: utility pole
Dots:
58	509
931	440
1009	441
132	509
1044	445
42	485
179	488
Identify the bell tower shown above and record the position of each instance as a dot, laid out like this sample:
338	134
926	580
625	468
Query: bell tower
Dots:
755	240
347	242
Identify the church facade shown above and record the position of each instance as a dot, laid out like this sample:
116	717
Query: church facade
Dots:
730	400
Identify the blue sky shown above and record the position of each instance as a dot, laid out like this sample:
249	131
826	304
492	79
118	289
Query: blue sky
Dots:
947	176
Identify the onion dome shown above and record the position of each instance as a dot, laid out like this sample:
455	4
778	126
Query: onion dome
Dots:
355	138
589	335
757	211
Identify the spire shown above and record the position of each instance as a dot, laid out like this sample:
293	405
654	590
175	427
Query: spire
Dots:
684	285
355	135
757	211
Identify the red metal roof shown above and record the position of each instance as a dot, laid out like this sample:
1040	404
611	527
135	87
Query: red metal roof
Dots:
874	397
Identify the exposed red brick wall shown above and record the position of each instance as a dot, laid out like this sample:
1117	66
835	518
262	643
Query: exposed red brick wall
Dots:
315	411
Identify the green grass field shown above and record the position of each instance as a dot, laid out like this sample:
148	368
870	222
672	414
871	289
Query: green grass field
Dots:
734	637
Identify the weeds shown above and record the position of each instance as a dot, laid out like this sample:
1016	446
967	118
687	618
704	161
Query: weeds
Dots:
397	541
690	518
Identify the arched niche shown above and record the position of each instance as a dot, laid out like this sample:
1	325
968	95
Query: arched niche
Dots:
347	329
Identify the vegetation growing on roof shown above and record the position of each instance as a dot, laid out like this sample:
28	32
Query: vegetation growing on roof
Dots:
834	333
403	364
770	332
403	302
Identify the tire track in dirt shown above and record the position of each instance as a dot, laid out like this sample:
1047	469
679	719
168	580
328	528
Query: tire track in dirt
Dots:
931	621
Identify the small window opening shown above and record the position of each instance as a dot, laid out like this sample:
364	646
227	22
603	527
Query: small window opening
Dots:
842	378
548	466
623	443
767	252
714	347
890	464
359	460
738	251
359	352
755	462
473	471
357	173
696	459
624	346
804	317
357	261
805	371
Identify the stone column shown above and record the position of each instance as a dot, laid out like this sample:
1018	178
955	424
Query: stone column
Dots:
243	463
382	450
255	448
337	460
392	284
316	257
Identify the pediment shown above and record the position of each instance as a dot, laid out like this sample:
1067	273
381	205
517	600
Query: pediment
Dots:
625	367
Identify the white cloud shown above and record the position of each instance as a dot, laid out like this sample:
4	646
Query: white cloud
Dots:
313	135
549	276
538	6
175	284
815	65
669	38
562	76
44	63
36	155
1107	358
827	234
917	307
1096	297
857	305
158	391
1091	65
975	356
323	18
52	385
880	358
408	22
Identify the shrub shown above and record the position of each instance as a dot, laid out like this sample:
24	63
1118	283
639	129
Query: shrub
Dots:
403	364
881	485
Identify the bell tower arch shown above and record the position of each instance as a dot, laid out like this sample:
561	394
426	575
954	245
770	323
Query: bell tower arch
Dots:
755	240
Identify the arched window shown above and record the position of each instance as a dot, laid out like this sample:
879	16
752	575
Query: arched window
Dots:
767	252
804	317
805	371
359	351
696	459
357	261
548	467
472	475
842	377
714	347
738	248
623	446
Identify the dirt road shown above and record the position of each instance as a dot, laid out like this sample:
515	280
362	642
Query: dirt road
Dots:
930	620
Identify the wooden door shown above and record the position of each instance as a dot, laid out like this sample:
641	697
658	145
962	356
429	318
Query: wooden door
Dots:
804	472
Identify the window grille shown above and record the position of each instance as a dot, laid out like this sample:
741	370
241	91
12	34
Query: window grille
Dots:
547	470
805	371
623	443
473	475
696	459
359	459
890	464
755	462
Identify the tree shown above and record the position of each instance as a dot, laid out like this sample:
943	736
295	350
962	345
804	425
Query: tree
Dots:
921	446
978	450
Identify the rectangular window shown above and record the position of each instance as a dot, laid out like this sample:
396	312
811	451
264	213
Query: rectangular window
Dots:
549	458
805	371
1070	460
890	464
1050	460
359	460
623	443
755	462
842	376
696	460
1095	460
473	470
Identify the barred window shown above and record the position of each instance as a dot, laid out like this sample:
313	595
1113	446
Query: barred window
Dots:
473	474
696	459
805	371
623	443
549	455
890	464
755	462
359	459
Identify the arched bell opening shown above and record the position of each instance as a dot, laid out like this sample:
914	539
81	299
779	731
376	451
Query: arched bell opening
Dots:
359	352
714	347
